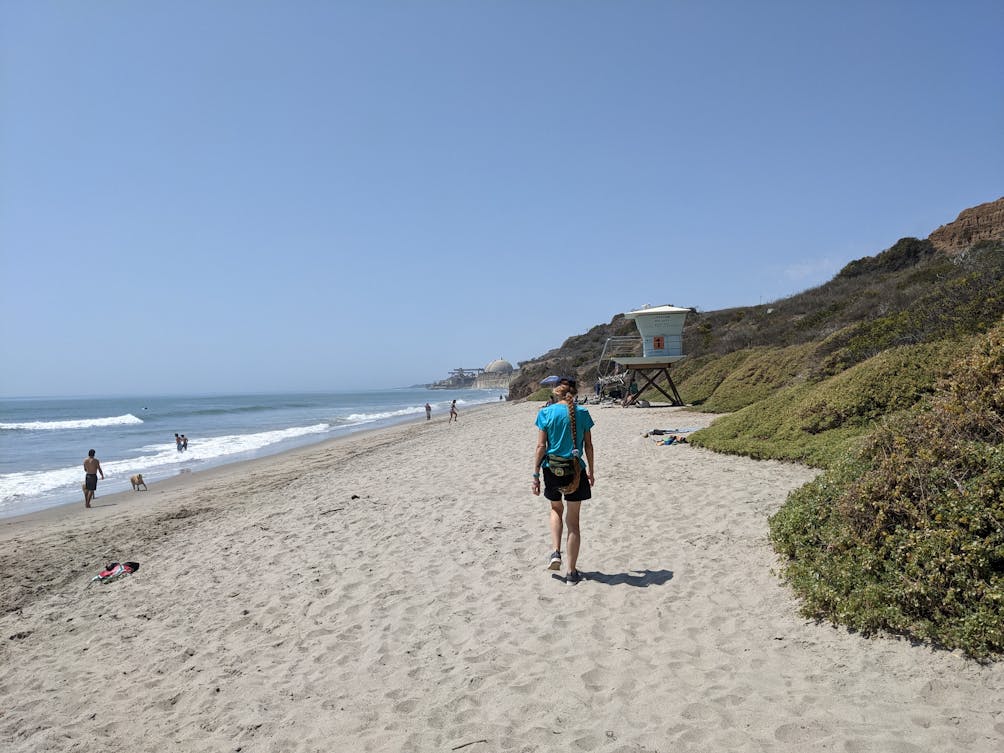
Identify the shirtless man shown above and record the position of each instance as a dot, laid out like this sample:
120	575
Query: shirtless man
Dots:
92	467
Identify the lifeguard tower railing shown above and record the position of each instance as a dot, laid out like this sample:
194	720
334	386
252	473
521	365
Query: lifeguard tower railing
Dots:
608	371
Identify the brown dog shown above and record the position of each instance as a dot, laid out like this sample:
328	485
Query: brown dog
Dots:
137	481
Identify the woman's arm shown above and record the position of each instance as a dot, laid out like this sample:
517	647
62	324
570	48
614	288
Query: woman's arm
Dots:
538	458
587	441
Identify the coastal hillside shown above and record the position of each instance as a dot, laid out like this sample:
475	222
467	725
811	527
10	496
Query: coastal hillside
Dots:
948	285
889	377
805	377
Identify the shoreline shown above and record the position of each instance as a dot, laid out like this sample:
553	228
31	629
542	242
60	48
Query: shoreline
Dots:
59	513
389	592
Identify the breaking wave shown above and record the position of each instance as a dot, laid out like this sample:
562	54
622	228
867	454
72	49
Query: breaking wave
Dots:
76	423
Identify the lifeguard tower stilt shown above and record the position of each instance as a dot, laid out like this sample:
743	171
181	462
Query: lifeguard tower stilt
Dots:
661	330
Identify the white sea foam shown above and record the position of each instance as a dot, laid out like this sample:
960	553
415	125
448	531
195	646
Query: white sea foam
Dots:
211	448
26	484
77	423
415	410
365	418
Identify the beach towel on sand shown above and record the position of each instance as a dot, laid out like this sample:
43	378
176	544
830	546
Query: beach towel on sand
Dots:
671	440
114	571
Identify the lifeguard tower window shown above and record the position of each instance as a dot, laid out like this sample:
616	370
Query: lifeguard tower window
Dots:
646	359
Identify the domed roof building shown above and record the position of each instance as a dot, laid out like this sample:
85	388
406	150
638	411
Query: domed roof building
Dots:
499	366
496	376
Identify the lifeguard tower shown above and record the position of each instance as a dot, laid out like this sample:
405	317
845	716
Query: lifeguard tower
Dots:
661	330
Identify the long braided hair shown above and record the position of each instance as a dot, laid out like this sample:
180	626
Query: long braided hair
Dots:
566	392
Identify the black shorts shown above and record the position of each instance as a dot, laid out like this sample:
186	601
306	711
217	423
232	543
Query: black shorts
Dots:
552	482
91	481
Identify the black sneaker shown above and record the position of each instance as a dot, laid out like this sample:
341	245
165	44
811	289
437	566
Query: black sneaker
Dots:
555	563
574	576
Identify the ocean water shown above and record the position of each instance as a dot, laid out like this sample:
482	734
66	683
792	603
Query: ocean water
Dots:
43	442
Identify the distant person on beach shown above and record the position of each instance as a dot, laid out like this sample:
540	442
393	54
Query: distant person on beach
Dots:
428	412
92	467
563	436
177	441
454	416
632	394
184	443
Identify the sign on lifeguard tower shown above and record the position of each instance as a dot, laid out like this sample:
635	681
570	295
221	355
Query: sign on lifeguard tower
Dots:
661	330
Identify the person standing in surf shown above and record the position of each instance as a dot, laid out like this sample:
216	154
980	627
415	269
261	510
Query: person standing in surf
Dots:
92	467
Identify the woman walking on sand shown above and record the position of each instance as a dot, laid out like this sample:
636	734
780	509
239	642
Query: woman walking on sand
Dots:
563	436
454	416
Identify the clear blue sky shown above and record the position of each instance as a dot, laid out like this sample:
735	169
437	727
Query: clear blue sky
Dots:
235	196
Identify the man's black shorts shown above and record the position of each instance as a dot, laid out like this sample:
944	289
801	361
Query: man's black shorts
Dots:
91	479
552	482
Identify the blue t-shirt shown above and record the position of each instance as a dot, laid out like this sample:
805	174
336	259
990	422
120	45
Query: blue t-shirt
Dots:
553	419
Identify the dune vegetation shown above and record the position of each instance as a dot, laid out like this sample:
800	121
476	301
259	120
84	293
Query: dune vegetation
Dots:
906	533
816	422
889	378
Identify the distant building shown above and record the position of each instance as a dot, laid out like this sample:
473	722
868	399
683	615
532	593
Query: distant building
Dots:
495	376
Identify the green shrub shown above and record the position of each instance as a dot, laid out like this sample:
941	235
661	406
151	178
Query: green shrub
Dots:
891	381
948	297
689	367
762	373
696	388
771	429
907	534
815	423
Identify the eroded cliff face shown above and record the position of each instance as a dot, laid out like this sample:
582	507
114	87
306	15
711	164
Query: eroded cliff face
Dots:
979	223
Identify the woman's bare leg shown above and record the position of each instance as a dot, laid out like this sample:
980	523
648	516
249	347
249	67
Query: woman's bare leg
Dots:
557	510
574	536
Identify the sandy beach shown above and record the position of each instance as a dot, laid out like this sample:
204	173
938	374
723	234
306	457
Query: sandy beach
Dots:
388	592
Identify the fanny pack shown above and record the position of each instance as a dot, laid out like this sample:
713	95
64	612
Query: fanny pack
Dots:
562	466
568	470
